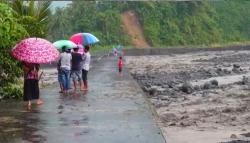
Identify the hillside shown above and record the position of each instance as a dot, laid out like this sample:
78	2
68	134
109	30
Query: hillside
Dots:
158	24
132	26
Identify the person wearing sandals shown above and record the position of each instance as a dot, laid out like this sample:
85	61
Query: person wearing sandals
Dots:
31	85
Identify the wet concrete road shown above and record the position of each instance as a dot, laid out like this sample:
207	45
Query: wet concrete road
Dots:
112	111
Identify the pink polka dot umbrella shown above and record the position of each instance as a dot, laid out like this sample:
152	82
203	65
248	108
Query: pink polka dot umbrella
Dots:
35	50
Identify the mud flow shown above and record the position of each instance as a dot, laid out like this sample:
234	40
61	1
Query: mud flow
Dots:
202	93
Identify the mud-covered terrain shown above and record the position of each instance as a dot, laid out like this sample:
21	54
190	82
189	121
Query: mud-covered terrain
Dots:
199	96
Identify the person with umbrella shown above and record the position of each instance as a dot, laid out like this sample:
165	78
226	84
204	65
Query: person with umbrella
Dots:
76	68
32	52
85	67
85	39
31	86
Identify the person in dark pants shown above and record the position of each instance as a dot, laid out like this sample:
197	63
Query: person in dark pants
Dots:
31	85
85	67
76	68
59	72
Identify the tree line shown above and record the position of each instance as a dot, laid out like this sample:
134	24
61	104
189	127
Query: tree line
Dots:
18	20
164	23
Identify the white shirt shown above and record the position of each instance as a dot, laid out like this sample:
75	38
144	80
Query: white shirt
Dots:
86	61
66	60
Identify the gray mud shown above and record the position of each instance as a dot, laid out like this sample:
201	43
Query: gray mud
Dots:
200	90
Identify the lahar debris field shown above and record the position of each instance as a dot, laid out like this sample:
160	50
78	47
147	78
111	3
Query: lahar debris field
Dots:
200	96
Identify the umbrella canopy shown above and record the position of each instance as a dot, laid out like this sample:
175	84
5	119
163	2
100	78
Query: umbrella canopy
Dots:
64	43
84	38
35	50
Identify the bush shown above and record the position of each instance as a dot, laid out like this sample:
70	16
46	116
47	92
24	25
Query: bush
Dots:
10	70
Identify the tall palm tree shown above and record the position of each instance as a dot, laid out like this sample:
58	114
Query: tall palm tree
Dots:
33	14
59	23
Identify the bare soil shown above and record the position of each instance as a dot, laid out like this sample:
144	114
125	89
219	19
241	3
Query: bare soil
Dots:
200	97
132	26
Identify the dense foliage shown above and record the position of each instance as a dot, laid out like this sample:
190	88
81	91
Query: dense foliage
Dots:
164	23
33	16
88	16
10	32
18	20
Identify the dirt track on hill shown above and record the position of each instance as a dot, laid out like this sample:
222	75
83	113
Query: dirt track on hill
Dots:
132	26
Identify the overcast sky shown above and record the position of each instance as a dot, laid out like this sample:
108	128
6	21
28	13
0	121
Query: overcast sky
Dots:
60	3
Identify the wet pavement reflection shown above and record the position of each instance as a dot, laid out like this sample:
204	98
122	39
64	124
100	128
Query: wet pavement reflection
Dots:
113	110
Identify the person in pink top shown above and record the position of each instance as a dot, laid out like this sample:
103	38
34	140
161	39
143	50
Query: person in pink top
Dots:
31	86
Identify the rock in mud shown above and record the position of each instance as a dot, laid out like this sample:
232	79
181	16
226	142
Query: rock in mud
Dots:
211	84
214	82
237	141
212	72
236	66
245	80
207	85
219	71
172	124
246	134
187	87
168	117
60	107
226	71
197	87
228	110
187	123
163	97
152	91
233	136
145	88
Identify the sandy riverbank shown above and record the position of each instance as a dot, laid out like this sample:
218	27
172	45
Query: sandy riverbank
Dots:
201	97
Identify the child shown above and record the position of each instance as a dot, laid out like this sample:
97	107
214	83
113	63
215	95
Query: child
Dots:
119	64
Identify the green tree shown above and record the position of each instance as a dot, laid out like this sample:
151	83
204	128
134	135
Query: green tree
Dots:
10	32
58	25
33	15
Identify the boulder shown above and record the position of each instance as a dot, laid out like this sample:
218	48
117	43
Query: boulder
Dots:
207	85
187	87
236	66
233	136
163	97
169	117
197	87
214	82
152	92
226	71
245	80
